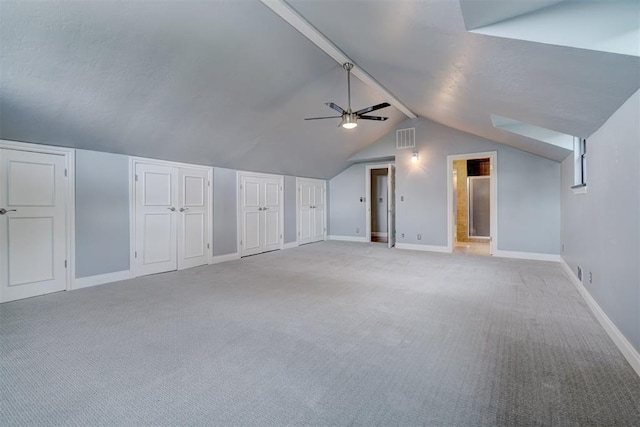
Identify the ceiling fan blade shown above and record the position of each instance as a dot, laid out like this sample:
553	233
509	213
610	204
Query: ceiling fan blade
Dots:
320	118
335	107
373	108
378	118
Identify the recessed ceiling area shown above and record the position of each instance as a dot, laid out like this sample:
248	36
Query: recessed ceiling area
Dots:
229	84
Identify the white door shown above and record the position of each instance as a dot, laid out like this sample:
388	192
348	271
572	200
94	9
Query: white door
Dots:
318	212
260	214
271	214
32	224
251	211
305	212
156	219
193	226
391	203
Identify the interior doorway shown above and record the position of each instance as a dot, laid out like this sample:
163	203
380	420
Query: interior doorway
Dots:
472	203
380	198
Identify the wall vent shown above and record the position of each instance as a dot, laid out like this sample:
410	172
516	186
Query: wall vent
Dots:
405	138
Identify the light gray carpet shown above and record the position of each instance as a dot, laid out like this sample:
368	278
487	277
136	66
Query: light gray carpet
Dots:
326	334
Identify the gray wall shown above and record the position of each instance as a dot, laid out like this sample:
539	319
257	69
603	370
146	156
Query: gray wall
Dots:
290	209
225	208
346	212
601	229
528	192
102	213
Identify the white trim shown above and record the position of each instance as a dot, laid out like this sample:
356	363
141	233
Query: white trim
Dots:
379	234
424	248
493	159
101	279
348	239
133	162
534	256
367	194
623	344
239	216
291	245
580	190
298	22
70	209
217	259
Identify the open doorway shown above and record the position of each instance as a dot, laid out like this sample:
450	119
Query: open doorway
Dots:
472	204
380	198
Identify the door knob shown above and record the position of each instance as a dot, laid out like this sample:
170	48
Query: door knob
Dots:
172	209
184	209
259	209
4	211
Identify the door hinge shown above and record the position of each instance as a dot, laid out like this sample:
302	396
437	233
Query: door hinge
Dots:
281	237
208	183
65	263
240	242
208	247
136	177
135	254
65	172
241	186
281	188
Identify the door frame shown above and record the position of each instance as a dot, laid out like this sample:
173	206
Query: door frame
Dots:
69	155
367	197
298	207
493	175
133	162
239	218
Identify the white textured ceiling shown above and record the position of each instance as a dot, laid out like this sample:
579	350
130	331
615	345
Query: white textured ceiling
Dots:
228	83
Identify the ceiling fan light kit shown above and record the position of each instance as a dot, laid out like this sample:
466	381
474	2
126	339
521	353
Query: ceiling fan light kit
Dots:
349	117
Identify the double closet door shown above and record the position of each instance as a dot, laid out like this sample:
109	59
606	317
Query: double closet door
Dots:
172	216
261	216
311	210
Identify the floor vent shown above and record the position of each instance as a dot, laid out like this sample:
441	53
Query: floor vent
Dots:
405	138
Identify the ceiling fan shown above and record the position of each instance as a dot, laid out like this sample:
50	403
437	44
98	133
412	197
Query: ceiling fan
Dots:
350	118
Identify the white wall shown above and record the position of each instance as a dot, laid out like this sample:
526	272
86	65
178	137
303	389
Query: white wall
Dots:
601	229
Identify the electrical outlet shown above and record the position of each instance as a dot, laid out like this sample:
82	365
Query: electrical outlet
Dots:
419	236
590	277
402	198
403	235
357	230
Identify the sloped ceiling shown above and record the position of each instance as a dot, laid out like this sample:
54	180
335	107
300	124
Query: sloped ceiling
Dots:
228	83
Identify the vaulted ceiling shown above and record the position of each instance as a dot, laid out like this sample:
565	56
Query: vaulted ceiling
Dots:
228	83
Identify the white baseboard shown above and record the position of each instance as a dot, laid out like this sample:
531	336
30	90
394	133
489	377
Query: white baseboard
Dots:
348	238
528	255
100	279
290	245
623	344
379	233
425	248
217	259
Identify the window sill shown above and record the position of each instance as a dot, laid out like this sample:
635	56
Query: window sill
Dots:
579	189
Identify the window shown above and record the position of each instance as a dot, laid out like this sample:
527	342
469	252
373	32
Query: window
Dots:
579	164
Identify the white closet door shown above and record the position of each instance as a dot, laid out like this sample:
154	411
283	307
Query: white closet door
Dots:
192	217
318	212
307	216
33	228
156	218
252	218
271	212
